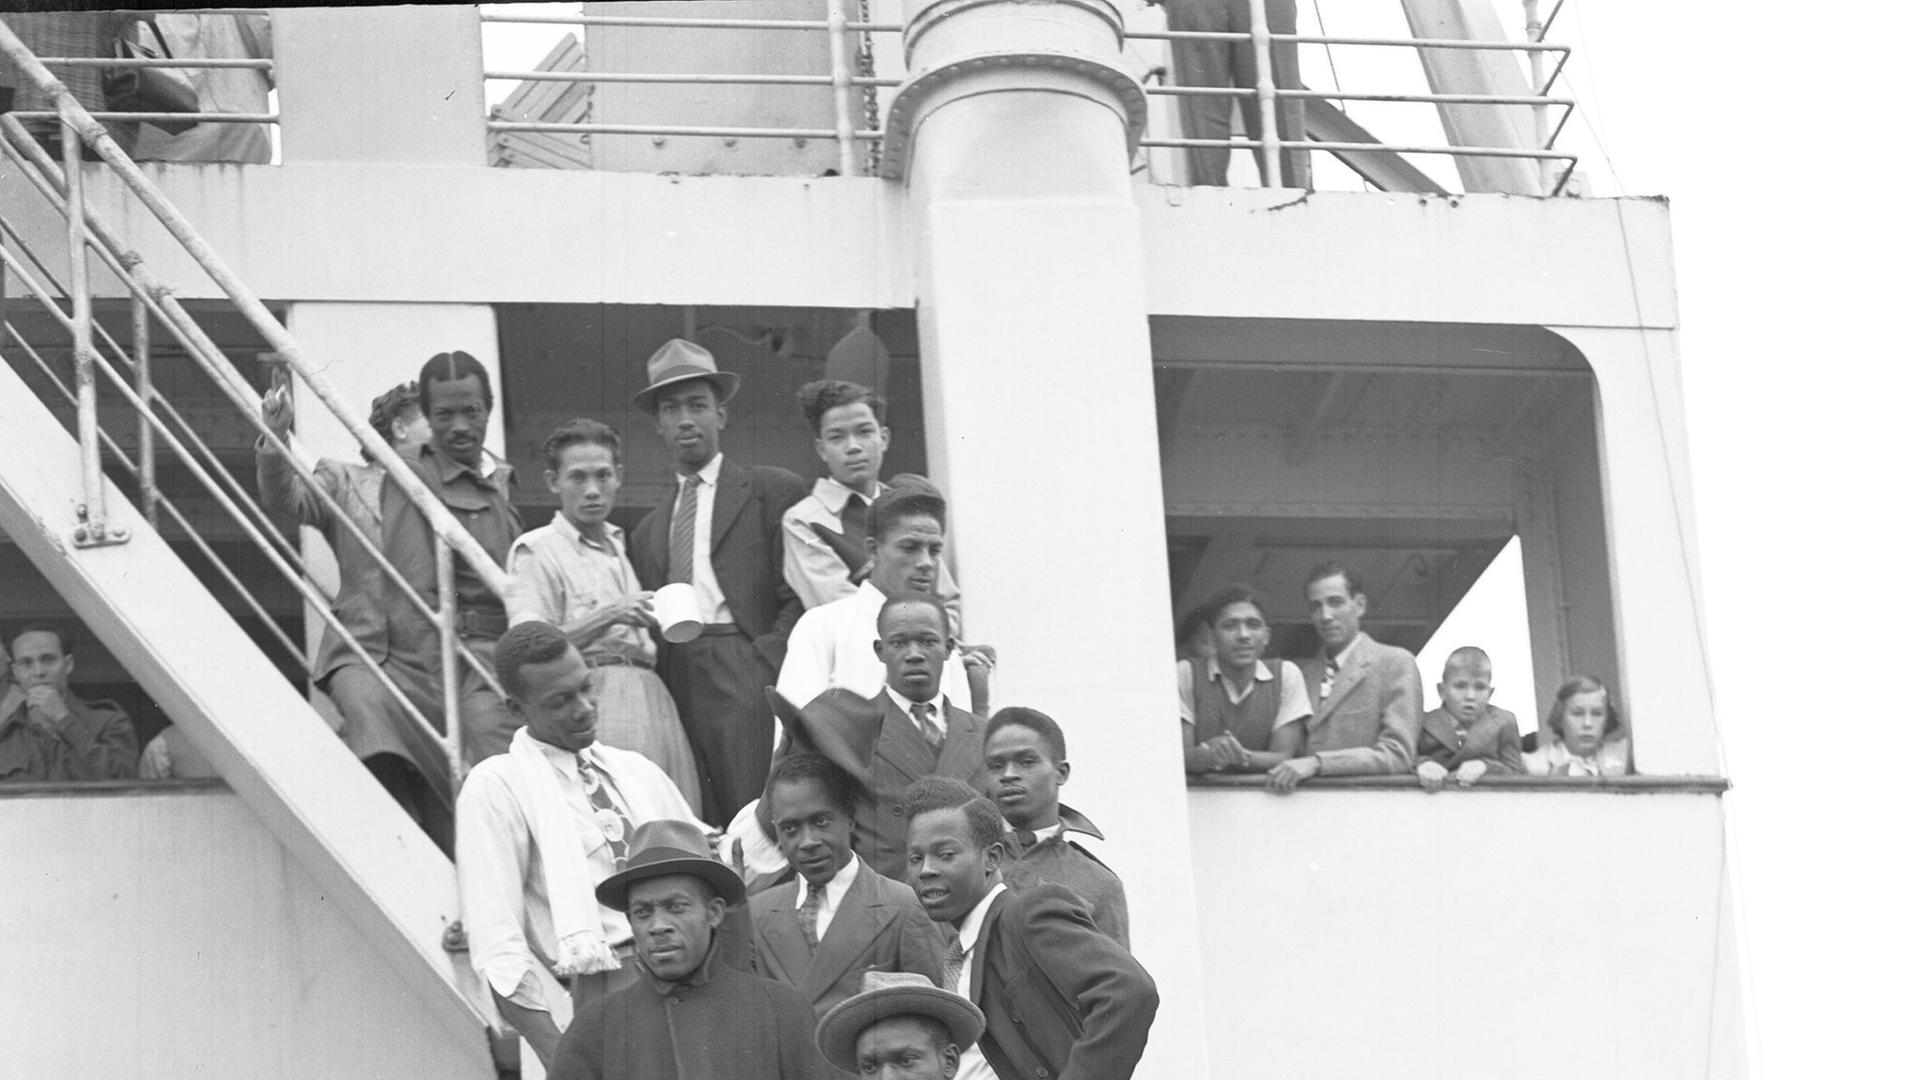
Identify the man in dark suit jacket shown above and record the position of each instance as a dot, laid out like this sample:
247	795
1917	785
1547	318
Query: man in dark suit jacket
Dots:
1062	999
1366	696
836	920
721	534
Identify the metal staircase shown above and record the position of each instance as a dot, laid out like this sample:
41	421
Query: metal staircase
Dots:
138	565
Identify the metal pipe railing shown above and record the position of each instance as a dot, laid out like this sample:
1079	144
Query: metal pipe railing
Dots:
842	80
93	528
1262	41
143	382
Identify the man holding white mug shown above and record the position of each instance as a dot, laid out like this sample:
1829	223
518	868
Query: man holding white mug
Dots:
719	533
574	573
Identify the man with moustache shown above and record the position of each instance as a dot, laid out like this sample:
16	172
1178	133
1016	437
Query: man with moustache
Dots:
456	396
573	572
688	1015
542	823
721	534
1366	696
1061	998
837	918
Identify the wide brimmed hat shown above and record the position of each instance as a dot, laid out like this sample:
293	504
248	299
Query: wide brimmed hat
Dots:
678	361
839	725
664	848
885	994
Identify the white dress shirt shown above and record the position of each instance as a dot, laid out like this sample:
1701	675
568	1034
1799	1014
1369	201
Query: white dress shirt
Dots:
815	571
973	1063
559	576
503	883
937	715
837	888
832	645
706	587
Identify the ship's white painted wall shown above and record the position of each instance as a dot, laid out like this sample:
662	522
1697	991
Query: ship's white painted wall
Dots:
1389	933
161	934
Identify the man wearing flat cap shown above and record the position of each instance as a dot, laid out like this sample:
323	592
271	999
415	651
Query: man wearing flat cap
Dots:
689	1016
900	1027
721	534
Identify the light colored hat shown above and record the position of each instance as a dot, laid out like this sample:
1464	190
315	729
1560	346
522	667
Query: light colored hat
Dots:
666	847
885	994
678	361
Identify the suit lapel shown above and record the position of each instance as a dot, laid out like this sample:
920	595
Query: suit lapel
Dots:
977	960
1440	726
1348	677
901	744
782	931
731	490
855	926
961	753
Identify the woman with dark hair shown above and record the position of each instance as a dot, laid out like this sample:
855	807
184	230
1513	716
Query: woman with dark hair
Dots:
1584	726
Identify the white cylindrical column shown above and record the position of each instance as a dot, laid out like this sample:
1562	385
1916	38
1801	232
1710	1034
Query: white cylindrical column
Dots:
1014	133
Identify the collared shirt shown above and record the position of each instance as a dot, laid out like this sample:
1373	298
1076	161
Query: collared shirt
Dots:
560	576
936	713
706	585
503	882
1294	703
94	741
836	891
973	1063
817	574
832	645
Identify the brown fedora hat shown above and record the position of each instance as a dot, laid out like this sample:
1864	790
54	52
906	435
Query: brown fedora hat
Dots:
678	361
664	848
886	994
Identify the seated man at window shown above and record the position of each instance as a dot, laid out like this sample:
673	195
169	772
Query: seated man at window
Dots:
1366	696
51	734
1234	706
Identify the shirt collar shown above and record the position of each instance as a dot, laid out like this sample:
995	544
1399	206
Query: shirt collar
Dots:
1339	660
1261	673
970	926
834	495
491	471
939	704
572	532
709	473
839	883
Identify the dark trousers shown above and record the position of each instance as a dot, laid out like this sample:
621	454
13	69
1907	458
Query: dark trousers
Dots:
1231	63
719	684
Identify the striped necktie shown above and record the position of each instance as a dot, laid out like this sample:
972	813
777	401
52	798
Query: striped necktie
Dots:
680	540
810	914
952	965
923	719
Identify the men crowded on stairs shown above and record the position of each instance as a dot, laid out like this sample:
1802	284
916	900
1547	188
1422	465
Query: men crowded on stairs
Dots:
456	396
721	534
540	825
373	723
573	572
837	918
51	734
1062	999
1026	757
834	644
1366	696
688	1014
900	1026
826	532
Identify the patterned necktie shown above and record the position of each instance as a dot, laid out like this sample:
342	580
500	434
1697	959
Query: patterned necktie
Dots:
614	823
954	963
1326	679
680	540
923	718
810	914
853	521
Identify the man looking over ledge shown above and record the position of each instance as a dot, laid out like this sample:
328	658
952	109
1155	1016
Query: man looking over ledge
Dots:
51	734
1366	696
539	825
1235	706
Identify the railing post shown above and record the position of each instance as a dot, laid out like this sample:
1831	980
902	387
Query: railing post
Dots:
842	83
1263	85
1537	62
143	385
92	530
449	658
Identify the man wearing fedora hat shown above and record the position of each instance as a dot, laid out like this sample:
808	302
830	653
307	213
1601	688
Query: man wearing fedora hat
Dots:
689	1015
900	1026
721	534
